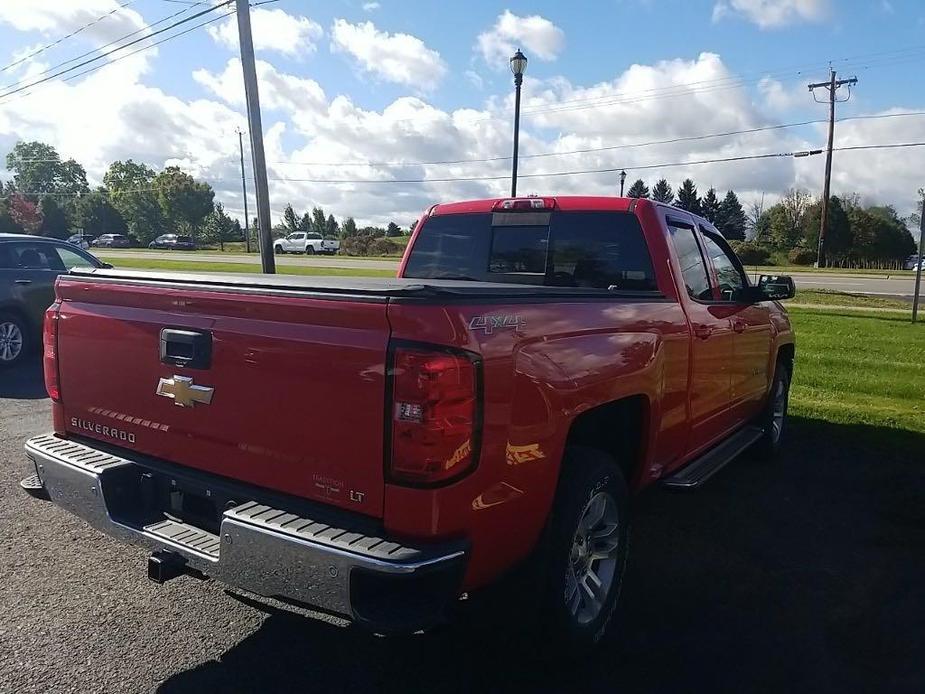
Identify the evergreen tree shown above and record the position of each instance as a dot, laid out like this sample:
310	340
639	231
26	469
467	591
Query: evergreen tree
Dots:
730	218
349	228
319	221
661	191
709	205
290	220
331	228
687	197
638	189
393	230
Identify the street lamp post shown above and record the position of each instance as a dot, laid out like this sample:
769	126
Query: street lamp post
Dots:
622	181
518	66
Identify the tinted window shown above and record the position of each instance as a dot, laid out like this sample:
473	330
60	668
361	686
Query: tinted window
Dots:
71	259
571	249
727	274
35	256
693	269
313	236
519	250
185	239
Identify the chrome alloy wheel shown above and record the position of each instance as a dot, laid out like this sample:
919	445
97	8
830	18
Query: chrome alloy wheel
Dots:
593	559
10	341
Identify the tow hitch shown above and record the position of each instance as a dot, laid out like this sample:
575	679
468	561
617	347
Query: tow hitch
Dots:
164	565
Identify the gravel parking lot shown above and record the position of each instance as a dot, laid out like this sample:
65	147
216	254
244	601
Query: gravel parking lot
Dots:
807	575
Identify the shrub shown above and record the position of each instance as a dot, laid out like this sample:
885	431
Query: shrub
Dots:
355	245
801	256
380	246
750	253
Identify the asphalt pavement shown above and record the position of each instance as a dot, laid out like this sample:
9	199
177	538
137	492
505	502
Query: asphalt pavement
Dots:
902	285
804	575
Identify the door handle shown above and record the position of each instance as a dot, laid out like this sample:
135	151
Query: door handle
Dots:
189	348
22	281
739	326
703	331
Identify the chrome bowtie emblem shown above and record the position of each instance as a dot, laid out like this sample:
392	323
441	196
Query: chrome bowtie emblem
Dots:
184	392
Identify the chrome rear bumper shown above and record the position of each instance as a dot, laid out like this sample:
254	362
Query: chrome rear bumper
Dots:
262	549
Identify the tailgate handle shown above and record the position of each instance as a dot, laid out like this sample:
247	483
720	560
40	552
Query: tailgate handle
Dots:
189	348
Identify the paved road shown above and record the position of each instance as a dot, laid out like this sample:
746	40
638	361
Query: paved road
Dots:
899	286
801	576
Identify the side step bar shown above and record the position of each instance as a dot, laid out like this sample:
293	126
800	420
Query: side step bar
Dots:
703	468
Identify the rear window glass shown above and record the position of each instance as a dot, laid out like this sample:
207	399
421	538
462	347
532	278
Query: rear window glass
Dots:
185	239
602	250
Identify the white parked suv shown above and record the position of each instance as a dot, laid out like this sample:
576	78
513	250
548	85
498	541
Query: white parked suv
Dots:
306	242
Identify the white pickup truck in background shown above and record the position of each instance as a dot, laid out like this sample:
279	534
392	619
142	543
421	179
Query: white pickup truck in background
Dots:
306	242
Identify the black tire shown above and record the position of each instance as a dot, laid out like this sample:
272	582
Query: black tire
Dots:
769	445
309	250
278	250
586	473
15	342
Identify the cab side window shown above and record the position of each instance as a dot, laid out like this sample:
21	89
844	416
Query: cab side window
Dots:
693	268
35	256
728	275
71	259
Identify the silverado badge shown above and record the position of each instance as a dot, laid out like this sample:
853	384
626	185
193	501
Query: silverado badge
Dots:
184	392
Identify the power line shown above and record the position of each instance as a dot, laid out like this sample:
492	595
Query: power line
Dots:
66	36
552	174
115	50
106	45
689	138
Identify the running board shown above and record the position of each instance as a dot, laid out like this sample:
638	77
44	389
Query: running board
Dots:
703	468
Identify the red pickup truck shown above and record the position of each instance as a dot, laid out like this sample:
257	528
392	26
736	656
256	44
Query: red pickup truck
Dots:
376	448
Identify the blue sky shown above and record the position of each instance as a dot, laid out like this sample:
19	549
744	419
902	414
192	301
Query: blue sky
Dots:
350	81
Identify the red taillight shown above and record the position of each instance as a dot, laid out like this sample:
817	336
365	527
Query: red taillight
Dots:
434	411
50	352
529	203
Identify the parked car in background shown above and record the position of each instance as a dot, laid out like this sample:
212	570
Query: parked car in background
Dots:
113	241
306	242
29	266
173	242
81	240
912	262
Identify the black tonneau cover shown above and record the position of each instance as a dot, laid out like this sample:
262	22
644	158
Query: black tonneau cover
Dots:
358	288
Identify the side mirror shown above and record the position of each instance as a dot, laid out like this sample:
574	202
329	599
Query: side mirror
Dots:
776	287
106	266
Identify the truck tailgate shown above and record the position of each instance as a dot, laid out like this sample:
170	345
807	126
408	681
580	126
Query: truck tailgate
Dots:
297	383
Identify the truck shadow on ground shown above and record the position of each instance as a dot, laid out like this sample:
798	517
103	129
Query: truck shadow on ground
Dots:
24	381
805	574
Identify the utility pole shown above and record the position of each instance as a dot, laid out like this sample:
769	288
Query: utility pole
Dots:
918	268
247	223
264	240
832	85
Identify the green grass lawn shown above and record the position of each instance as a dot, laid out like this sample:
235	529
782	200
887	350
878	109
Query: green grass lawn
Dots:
859	369
829	297
205	266
791	269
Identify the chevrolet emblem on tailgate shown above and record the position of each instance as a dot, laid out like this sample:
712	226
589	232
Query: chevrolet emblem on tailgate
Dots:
184	392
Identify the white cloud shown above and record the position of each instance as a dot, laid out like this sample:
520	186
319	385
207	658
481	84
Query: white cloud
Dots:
780	98
770	14
536	35
399	58
53	18
370	6
475	79
273	30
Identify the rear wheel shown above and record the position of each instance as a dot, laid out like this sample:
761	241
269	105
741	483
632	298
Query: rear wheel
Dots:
586	549
14	342
309	250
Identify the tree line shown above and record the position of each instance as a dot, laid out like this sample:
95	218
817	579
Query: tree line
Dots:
856	236
368	240
50	196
